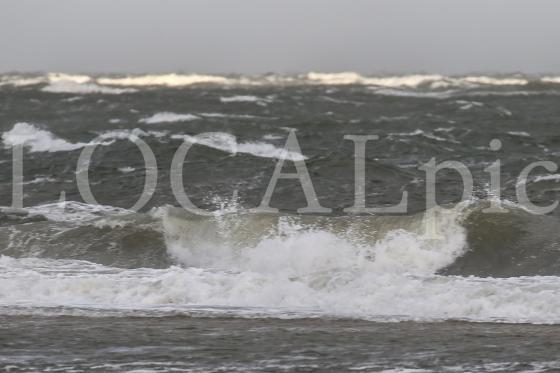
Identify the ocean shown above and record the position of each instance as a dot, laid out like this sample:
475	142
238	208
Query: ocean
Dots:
136	239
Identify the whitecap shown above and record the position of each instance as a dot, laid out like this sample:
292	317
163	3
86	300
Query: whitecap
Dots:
498	81
294	271
412	93
244	98
547	178
126	134
419	132
74	78
168	117
41	180
233	116
21	81
126	170
345	78
74	212
551	79
519	133
36	139
69	86
228	143
168	80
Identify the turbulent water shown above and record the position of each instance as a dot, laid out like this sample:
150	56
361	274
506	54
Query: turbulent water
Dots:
168	289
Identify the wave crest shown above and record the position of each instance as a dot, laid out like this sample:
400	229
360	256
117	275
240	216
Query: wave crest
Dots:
377	268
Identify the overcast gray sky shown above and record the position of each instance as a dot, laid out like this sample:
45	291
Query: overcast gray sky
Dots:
256	36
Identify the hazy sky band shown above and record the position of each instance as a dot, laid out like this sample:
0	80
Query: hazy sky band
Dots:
288	36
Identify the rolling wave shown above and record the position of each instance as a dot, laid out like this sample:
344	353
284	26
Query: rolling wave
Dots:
36	139
90	84
370	267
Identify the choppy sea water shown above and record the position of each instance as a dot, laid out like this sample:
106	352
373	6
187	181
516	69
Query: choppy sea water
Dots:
100	287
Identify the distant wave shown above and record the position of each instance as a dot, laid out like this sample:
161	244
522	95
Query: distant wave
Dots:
21	80
410	81
63	83
415	81
64	86
429	86
78	84
169	80
551	79
59	77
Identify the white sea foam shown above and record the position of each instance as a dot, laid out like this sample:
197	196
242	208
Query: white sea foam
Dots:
73	99
74	212
78	84
554	177
519	133
245	98
41	180
58	82
397	92
70	86
431	81
293	273
487	80
551	79
36	139
419	132
235	116
169	80
510	93
467	105
168	117
126	170
270	136
21	81
126	134
228	143
397	118
411	81
59	77
503	111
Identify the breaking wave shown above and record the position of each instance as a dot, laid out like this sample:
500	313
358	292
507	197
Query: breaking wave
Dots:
246	264
78	84
245	98
36	139
395	84
228	143
168	80
83	88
